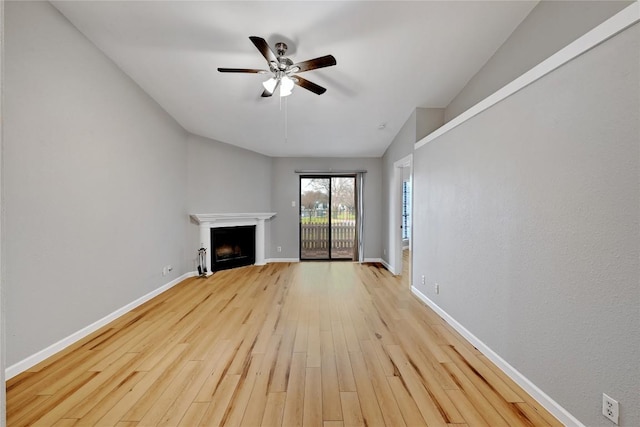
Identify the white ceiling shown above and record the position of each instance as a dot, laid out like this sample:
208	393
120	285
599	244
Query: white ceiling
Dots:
391	58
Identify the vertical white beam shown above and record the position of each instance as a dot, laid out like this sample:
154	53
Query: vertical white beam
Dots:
260	259
205	242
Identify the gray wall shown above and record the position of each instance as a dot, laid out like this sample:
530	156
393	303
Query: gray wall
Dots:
3	412
428	120
223	178
94	183
549	27
528	216
285	186
420	123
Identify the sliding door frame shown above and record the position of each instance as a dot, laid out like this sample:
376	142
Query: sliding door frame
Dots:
330	177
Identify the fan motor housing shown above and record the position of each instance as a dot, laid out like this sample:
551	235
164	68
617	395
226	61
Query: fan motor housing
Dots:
281	48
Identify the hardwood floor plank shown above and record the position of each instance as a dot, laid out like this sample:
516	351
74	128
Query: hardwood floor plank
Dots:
81	395
274	410
121	345
475	397
463	357
184	400
212	382
351	338
508	410
194	414
384	394
351	409
142	388
343	363
408	407
312	412
66	422
279	377
468	411
325	312
433	383
431	410
220	401
369	406
331	406
156	414
237	407
35	407
161	382
314	358
51	379
302	332
322	344
93	415
536	418
294	403
254	413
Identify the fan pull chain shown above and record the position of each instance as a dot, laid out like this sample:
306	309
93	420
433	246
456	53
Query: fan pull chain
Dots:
286	124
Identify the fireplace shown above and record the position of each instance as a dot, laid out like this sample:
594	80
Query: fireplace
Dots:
233	247
208	222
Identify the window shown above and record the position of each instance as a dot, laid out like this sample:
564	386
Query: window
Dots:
406	210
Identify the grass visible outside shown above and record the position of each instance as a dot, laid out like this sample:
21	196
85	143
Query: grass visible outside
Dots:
325	220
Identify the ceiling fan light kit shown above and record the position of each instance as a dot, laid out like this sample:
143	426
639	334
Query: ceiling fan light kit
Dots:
283	69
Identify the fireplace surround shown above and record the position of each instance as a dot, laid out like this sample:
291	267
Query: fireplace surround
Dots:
220	220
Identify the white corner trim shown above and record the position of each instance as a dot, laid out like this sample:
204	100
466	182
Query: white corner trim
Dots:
609	28
38	357
386	265
540	396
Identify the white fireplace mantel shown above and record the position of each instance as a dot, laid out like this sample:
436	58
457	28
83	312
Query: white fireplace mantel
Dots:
216	220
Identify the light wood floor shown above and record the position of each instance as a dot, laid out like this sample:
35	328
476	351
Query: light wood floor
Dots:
322	344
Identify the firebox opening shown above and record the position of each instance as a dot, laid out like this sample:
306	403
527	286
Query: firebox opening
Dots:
232	247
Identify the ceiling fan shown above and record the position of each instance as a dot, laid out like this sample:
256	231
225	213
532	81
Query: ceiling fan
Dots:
283	69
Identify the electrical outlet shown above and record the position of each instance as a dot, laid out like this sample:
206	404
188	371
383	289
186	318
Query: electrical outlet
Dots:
279	248
437	288
164	271
610	408
423	280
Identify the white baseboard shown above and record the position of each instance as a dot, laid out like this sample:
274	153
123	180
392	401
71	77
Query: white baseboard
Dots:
38	357
540	396
283	260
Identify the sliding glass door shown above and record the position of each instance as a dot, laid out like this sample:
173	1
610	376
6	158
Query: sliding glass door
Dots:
327	217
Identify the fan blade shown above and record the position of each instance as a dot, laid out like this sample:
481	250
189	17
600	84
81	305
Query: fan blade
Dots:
312	64
318	90
264	49
242	70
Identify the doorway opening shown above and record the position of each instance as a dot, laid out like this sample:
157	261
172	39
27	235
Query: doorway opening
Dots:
400	230
328	215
